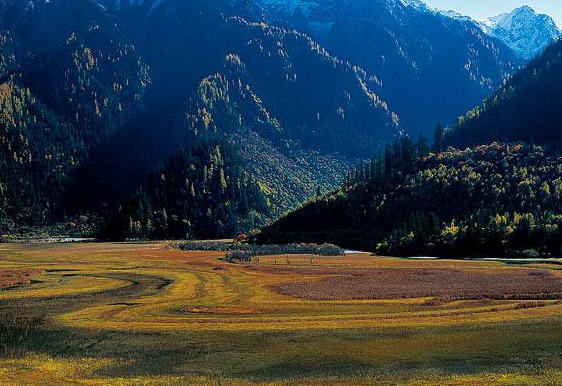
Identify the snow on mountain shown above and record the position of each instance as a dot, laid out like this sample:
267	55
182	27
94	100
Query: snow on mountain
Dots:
455	15
119	4
417	4
291	6
319	15
523	30
310	7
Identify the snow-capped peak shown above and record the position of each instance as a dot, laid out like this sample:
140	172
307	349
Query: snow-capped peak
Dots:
506	20
525	31
417	4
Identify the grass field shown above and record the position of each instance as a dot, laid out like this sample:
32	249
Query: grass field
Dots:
146	314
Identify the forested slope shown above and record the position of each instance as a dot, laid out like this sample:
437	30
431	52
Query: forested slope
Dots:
204	191
432	67
68	83
96	101
527	107
492	199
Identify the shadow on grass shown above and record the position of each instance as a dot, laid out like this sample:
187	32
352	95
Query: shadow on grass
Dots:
26	328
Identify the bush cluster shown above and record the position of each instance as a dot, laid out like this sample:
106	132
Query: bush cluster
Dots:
245	252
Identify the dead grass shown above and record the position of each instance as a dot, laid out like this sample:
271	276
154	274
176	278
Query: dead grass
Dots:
126	314
10	278
392	283
224	311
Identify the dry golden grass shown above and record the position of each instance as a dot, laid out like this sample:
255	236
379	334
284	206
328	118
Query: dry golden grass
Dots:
146	314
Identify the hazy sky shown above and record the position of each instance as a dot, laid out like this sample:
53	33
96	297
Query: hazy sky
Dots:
480	9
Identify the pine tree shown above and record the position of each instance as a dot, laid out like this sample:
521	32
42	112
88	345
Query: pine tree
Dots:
422	146
388	162
438	139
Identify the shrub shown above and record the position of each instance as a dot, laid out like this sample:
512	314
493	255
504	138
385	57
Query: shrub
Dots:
239	256
245	252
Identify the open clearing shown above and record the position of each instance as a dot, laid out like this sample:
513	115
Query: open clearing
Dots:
145	314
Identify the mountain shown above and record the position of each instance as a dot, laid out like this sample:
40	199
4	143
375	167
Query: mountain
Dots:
262	87
500	198
525	31
99	95
204	191
490	200
527	107
68	81
431	67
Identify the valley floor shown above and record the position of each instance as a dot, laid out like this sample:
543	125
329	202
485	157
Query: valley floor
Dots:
148	314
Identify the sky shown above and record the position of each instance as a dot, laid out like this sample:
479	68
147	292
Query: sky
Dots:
481	9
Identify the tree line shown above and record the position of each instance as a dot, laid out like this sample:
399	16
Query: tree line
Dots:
501	199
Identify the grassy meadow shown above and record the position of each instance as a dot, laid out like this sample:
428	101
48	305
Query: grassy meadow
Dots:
148	314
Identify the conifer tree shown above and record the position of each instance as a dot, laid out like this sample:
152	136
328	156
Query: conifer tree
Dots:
438	139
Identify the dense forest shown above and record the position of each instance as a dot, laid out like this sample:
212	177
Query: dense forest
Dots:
527	107
96	107
492	199
204	191
92	104
65	87
37	151
503	198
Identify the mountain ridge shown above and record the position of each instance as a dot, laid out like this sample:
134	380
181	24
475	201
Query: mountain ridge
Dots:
525	31
117	83
527	107
102	94
413	51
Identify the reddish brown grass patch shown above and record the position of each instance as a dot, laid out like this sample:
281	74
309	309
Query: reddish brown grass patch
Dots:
392	283
16	277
